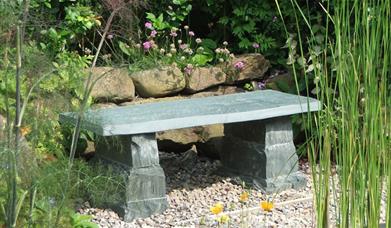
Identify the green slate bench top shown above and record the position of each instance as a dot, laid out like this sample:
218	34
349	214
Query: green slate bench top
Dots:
161	116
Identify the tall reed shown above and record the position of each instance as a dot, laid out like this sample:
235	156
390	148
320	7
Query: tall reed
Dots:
353	129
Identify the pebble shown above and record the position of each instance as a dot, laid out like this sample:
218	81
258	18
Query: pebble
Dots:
191	193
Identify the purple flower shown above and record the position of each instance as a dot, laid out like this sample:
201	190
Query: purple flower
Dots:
153	33
173	34
262	85
239	65
188	70
191	33
147	45
148	25
255	45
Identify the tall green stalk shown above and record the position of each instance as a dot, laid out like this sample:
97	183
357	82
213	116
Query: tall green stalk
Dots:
353	127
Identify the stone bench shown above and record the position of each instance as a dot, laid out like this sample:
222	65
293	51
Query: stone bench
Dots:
257	146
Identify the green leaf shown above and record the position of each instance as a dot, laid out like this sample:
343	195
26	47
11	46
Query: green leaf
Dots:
209	43
201	59
151	16
124	48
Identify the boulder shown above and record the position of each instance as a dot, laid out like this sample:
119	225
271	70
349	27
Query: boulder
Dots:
203	78
180	140
217	91
103	105
284	82
140	100
254	67
159	82
213	148
112	84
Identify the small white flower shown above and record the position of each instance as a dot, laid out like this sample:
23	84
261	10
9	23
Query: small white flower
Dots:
179	41
198	40
225	43
183	58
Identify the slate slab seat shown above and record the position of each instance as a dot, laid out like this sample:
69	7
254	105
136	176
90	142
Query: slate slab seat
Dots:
258	144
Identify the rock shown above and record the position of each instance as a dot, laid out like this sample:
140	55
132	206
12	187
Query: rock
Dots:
103	105
282	82
212	148
140	100
182	139
204	77
187	160
113	84
159	82
217	91
255	66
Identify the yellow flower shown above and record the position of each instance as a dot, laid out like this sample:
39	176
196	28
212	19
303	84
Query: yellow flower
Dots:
25	130
243	197
223	219
267	206
217	208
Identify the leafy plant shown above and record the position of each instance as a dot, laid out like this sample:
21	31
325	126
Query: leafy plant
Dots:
173	47
82	221
352	130
78	21
174	14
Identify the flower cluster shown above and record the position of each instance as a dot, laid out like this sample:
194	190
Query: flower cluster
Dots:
177	46
217	210
222	218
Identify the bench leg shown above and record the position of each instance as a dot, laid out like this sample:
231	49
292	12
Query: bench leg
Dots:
262	154
144	190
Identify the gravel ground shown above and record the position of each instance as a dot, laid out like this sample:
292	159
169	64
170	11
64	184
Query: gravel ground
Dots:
191	192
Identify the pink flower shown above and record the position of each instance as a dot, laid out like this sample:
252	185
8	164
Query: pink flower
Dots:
191	33
255	45
183	46
148	25
239	65
147	45
173	34
188	70
153	33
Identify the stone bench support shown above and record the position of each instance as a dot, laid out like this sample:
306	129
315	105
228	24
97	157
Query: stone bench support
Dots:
144	192
262	154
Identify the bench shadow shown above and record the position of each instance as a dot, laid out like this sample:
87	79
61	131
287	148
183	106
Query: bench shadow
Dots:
189	170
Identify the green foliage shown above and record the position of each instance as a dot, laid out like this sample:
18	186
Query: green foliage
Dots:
70	74
171	13
82	221
78	21
350	67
